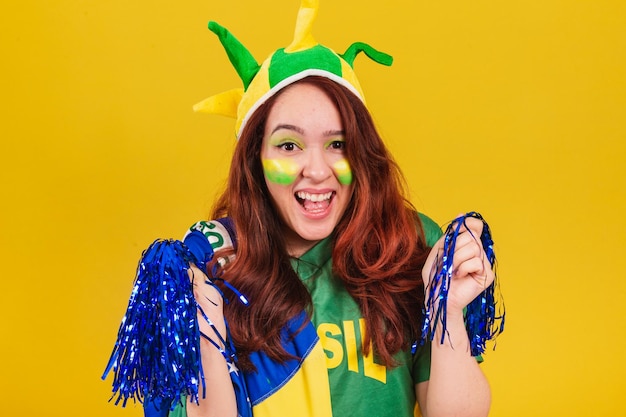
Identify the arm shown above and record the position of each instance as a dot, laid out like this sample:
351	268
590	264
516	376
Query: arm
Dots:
457	386
220	395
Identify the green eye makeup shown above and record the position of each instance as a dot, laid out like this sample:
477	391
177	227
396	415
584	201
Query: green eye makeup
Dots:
280	140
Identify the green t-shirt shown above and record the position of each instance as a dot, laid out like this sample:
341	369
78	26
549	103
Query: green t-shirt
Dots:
358	385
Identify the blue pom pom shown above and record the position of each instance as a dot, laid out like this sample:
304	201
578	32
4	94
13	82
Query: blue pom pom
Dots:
157	353
484	316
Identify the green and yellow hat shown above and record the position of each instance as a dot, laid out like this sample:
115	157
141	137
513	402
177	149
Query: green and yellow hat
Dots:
302	58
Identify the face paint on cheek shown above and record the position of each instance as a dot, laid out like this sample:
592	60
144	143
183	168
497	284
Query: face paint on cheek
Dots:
343	172
280	171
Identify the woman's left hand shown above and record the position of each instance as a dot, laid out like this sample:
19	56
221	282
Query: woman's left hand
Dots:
471	273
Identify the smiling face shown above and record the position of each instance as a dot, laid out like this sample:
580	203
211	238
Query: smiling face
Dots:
305	167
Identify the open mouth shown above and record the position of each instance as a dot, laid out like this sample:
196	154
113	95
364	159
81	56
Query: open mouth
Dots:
314	202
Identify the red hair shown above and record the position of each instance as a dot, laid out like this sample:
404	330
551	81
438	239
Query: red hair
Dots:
378	245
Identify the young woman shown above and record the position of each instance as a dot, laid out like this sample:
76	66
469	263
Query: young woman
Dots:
346	248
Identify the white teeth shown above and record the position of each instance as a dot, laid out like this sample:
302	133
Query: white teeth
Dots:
314	197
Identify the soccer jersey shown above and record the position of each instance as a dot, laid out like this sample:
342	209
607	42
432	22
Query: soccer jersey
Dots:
358	384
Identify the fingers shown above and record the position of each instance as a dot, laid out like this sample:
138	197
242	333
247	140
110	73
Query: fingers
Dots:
466	251
203	291
211	302
473	225
469	255
476	269
471	271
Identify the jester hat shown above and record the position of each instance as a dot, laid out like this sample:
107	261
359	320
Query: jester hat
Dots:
302	58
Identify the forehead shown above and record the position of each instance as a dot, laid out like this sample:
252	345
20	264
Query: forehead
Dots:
306	107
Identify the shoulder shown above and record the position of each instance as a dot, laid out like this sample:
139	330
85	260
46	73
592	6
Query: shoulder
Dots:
218	233
206	237
432	231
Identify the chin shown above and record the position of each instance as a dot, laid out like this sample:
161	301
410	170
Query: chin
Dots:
314	235
314	231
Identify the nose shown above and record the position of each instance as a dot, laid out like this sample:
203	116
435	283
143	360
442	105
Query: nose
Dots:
316	166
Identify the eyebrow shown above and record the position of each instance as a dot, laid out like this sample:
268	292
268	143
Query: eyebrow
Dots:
334	133
301	131
288	127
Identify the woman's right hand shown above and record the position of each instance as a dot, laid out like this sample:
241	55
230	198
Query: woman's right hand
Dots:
219	399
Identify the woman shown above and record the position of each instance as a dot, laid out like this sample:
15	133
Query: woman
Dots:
315	231
379	252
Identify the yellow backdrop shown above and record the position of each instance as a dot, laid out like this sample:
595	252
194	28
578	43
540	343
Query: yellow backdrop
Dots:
514	109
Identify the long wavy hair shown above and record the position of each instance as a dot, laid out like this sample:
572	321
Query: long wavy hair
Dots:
378	245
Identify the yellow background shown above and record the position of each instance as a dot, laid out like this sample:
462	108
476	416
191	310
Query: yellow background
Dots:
511	108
